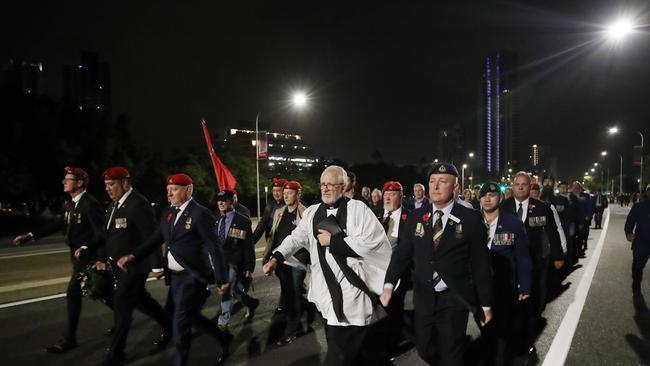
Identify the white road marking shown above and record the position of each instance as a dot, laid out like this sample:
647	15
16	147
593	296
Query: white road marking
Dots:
559	349
34	253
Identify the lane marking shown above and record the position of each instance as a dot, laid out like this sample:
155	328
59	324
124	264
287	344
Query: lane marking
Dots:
45	298
28	285
34	253
559	349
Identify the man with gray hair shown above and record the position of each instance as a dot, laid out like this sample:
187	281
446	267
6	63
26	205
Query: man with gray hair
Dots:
349	254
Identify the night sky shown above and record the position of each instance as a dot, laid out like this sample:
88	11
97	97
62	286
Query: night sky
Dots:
381	76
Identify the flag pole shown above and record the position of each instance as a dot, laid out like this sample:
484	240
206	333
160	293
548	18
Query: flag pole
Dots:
257	161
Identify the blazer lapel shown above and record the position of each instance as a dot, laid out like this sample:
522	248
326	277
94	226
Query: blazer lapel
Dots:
450	228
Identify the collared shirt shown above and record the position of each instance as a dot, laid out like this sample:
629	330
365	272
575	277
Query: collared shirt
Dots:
126	195
393	226
75	201
228	217
524	208
446	211
492	231
171	261
418	204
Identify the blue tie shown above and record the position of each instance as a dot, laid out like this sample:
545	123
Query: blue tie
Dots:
222	229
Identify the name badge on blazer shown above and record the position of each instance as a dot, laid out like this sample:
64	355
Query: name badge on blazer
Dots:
504	239
419	230
237	233
537	221
120	223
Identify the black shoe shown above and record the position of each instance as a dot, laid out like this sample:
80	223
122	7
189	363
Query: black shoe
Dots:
286	340
61	346
279	311
110	331
531	357
113	361
251	311
162	342
226	341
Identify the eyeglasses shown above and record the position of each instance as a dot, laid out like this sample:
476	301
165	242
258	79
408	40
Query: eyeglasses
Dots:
330	186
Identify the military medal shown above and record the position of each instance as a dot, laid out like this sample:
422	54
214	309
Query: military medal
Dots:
79	218
188	223
120	223
419	230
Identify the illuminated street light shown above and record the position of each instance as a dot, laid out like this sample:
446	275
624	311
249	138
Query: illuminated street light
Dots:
595	164
471	155
603	153
593	170
299	99
617	31
586	173
613	130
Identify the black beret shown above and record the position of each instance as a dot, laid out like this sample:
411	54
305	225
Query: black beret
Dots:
443	168
225	195
489	187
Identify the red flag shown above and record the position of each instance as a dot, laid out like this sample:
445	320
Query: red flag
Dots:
225	179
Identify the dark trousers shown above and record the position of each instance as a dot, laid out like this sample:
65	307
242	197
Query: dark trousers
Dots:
501	337
640	255
73	299
395	311
440	330
598	217
344	344
189	296
129	294
291	287
582	235
535	305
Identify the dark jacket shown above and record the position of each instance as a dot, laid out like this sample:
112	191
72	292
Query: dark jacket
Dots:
638	223
84	227
238	247
541	218
192	242
462	260
510	257
132	223
264	226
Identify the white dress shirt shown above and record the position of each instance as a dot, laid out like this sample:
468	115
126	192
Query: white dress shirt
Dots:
171	261
524	207
393	226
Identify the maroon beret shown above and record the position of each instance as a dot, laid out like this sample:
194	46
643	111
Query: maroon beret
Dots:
116	172
534	187
78	172
180	179
392	186
279	182
293	185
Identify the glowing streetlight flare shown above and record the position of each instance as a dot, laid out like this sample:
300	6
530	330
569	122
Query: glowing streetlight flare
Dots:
617	31
613	130
603	153
299	99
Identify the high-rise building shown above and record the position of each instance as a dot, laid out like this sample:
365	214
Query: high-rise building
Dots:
534	155
87	84
498	119
23	76
451	144
283	150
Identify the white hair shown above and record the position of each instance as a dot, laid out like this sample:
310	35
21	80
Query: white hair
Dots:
418	185
338	171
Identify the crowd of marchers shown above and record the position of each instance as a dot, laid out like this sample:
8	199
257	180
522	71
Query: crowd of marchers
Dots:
497	257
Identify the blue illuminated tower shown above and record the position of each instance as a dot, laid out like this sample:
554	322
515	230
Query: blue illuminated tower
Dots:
498	119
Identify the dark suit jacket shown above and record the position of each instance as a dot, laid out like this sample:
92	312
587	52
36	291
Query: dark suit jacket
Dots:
239	251
264	225
510	257
603	202
193	243
540	215
131	224
402	220
462	260
85	227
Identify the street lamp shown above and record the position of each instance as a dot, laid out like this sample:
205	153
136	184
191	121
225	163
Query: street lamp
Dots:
595	164
603	153
613	130
299	101
463	177
618	30
471	155
641	166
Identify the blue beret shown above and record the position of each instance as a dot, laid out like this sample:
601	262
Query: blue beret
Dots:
443	168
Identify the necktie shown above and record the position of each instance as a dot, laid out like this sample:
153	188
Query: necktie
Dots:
110	218
437	230
222	229
172	223
386	222
520	212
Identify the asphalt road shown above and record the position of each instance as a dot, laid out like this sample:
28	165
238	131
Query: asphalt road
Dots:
608	331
